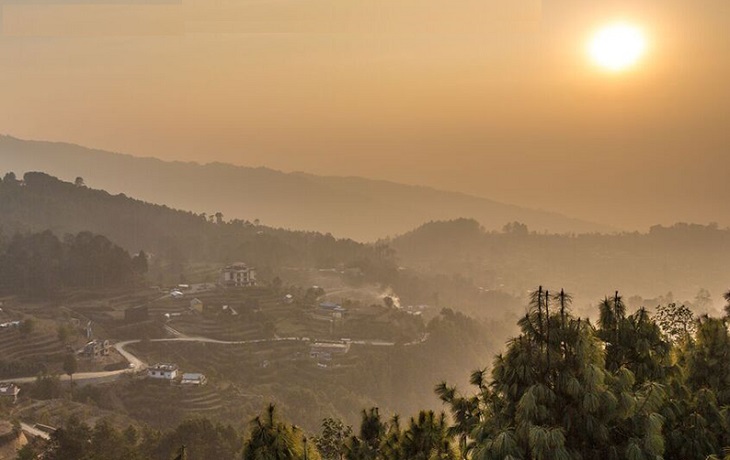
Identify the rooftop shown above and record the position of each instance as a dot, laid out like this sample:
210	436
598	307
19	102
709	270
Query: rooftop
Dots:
164	367
237	266
331	306
8	389
330	346
193	376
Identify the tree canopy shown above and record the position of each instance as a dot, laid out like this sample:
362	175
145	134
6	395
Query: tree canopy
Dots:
40	264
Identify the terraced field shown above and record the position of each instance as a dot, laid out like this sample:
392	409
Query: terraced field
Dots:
152	329
255	309
163	404
201	401
27	355
237	363
55	412
221	328
242	378
15	346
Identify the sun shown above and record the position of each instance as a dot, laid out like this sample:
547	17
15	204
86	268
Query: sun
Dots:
617	46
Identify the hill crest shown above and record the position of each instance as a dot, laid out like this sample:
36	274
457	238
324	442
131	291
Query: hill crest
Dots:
353	207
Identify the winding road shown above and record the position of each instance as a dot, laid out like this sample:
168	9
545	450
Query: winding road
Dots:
136	364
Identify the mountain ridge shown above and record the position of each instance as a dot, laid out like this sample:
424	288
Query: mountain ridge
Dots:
351	206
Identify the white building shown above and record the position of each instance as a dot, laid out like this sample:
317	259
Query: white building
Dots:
163	371
193	378
326	350
238	274
9	390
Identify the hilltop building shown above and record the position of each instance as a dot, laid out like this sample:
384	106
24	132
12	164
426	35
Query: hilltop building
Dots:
326	350
336	310
238	274
96	348
9	390
163	371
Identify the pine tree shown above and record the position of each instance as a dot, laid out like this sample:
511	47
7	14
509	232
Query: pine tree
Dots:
331	442
552	397
635	342
366	446
272	439
700	412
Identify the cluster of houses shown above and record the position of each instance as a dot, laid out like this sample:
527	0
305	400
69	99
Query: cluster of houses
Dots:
235	275
199	306
170	372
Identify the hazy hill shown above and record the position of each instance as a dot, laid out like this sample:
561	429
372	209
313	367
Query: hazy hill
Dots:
682	259
350	207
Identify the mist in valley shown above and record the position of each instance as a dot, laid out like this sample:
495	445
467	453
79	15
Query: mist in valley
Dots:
429	306
287	230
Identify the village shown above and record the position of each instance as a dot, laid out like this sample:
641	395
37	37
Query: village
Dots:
220	340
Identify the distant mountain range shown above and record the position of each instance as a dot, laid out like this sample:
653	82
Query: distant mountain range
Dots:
353	207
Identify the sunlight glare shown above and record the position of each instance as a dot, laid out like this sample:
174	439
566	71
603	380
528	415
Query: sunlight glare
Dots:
617	47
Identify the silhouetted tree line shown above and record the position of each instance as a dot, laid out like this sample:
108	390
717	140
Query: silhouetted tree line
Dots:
564	389
40	264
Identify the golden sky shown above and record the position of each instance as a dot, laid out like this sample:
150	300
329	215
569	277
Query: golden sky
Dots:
493	98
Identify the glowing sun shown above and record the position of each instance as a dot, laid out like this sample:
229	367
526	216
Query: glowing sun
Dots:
617	46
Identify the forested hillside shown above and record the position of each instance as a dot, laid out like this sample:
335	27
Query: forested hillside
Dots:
175	239
41	202
454	264
40	264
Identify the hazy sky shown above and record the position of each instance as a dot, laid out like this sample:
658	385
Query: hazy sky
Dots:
494	98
